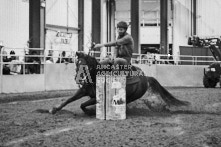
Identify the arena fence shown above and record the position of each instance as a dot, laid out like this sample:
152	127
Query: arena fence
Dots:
186	71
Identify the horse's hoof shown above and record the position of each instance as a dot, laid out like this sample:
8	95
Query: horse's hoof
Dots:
53	110
89	112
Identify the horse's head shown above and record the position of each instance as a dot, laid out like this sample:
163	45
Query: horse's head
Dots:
85	69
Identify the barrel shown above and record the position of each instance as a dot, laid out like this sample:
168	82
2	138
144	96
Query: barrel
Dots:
111	97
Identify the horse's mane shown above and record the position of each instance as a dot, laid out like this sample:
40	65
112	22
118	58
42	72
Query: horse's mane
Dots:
91	62
89	59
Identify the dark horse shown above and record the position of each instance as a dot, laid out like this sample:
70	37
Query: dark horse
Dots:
136	87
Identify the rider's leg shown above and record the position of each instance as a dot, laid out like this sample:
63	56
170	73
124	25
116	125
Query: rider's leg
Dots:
122	64
105	61
120	61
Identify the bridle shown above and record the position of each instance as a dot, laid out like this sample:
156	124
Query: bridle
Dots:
92	49
84	79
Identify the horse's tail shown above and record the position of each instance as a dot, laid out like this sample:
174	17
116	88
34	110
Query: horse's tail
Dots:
166	96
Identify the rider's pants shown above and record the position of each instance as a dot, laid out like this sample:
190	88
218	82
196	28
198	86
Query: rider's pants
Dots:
119	61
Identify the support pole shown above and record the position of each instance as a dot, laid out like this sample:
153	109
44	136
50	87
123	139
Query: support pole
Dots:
96	21
194	17
111	22
135	24
81	25
37	29
36	24
164	26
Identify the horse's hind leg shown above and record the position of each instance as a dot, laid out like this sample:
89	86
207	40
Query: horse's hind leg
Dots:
90	102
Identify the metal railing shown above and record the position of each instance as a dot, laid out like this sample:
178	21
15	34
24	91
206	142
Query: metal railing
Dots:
136	59
27	60
170	59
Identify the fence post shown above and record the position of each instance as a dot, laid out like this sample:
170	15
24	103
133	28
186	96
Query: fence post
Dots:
44	64
1	65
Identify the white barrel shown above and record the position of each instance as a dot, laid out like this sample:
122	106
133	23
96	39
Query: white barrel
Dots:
111	97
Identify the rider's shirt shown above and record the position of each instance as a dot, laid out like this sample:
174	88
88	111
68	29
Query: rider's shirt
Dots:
124	46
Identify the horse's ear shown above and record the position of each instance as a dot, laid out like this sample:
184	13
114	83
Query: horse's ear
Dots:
77	53
81	55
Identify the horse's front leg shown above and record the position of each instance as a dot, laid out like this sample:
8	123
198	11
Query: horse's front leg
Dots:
90	102
79	94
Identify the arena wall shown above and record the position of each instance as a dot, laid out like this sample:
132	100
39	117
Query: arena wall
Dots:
61	77
176	76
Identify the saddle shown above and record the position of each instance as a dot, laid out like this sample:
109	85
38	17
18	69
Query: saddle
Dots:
133	77
132	74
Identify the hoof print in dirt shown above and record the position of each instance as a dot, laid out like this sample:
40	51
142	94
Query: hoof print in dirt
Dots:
156	104
41	111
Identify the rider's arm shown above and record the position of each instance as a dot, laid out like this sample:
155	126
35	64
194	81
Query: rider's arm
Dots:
124	40
105	44
127	39
109	44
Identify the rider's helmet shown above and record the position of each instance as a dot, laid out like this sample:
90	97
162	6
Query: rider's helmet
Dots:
122	24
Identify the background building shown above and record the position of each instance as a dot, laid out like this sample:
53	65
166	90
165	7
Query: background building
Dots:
62	31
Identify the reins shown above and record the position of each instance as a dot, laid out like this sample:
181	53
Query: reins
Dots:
92	48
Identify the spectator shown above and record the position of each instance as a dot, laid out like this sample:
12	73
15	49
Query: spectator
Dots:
62	58
49	60
137	61
35	67
150	58
15	67
5	57
157	59
70	59
6	69
12	55
170	58
144	59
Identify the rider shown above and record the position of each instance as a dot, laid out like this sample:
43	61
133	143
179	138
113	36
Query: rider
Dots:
124	46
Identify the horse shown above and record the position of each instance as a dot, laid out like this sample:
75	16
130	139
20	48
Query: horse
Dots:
136	86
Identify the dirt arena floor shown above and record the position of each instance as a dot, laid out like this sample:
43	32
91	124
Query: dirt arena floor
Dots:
24	122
